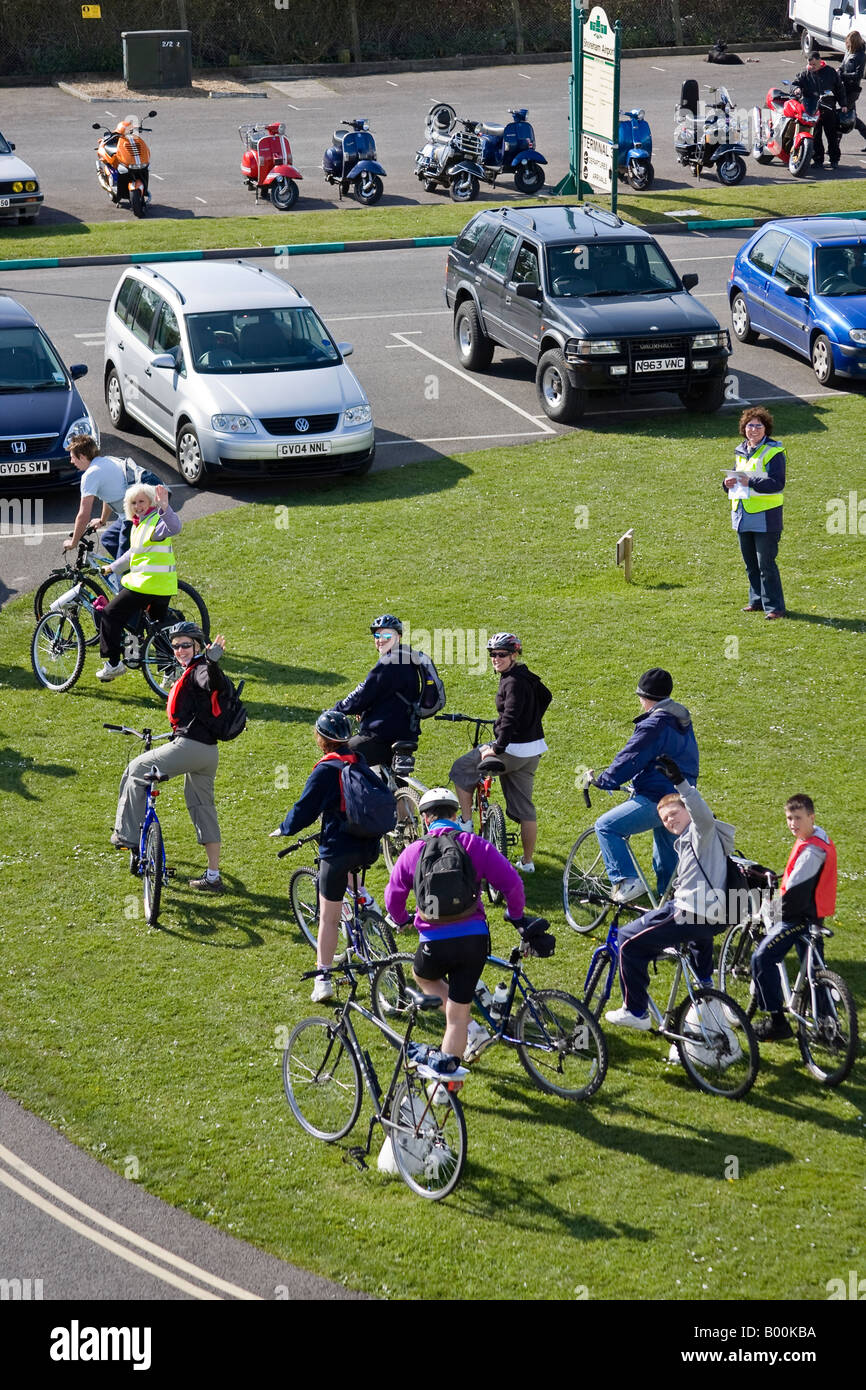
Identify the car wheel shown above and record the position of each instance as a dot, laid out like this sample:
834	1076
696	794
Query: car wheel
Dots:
114	400
562	401
822	360
474	348
703	400
741	322
189	457
807	43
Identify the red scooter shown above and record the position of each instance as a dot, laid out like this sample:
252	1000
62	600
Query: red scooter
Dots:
784	130
267	165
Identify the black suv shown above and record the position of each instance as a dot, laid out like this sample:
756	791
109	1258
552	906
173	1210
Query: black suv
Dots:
592	302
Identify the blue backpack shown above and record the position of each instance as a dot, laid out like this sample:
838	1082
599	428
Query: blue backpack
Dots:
369	806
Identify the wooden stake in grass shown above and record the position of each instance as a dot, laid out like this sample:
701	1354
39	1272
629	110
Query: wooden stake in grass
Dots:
624	547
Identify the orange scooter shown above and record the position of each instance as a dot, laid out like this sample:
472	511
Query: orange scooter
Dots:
123	163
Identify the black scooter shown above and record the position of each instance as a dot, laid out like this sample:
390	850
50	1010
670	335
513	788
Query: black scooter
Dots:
709	141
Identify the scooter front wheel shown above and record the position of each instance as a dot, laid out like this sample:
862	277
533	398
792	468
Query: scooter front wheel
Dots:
464	188
368	189
640	176
528	178
137	202
284	194
731	170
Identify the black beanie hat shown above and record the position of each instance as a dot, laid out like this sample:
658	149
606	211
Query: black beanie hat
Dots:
655	684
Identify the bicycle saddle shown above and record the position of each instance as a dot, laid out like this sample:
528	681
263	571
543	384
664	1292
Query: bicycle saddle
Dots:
491	767
404	747
154	776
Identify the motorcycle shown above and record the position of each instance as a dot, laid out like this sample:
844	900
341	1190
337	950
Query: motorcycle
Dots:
784	130
450	156
350	162
511	149
123	163
635	147
709	142
266	164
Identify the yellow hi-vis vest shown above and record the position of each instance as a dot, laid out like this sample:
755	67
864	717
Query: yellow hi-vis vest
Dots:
151	563
762	501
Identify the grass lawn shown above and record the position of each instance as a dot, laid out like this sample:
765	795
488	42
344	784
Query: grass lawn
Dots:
440	219
165	1044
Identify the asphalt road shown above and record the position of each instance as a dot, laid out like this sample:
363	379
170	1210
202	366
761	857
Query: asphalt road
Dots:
391	306
196	150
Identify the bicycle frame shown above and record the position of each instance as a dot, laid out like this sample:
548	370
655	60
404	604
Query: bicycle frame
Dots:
684	971
352	900
521	982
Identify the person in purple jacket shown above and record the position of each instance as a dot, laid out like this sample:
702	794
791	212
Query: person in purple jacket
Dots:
663	729
452	952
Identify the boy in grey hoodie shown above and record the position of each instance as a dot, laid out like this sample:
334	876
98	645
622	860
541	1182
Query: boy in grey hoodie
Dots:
697	911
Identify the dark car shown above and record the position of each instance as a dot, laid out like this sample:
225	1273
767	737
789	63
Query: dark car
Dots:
802	281
39	405
592	302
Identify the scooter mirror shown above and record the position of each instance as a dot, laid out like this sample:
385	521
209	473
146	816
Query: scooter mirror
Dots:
150	114
96	126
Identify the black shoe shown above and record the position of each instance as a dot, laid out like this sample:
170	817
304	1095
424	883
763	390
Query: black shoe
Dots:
834	167
134	861
772	1029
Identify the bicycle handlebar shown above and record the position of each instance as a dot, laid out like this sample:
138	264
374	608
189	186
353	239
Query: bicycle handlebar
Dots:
143	734
463	719
290	849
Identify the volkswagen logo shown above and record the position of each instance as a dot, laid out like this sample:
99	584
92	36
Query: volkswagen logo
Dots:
302	424
19	447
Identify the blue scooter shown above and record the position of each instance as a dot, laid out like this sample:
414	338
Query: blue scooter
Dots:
634	157
510	149
351	163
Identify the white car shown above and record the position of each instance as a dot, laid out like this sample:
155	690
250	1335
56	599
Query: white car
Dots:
233	369
20	199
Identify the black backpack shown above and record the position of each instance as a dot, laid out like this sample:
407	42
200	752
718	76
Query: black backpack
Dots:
369	806
228	713
446	884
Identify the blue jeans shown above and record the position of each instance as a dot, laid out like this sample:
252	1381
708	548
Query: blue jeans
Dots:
613	829
115	537
759	550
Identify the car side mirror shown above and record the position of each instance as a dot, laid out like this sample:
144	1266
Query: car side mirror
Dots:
690	280
164	359
528	291
11	145
346	349
78	371
795	292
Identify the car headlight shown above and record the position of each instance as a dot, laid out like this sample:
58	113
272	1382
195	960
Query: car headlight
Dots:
31	186
17	186
232	424
710	340
591	347
357	415
83	425
857	335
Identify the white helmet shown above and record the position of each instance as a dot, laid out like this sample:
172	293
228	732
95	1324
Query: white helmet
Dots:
438	799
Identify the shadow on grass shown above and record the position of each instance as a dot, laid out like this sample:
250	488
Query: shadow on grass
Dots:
14	766
230	923
840	624
531	1208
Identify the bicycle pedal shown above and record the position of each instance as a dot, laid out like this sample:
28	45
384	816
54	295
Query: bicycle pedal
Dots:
357	1155
170	873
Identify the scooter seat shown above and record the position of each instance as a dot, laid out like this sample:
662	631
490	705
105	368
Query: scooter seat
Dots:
778	97
496	130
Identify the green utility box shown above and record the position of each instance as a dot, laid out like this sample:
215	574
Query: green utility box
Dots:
157	58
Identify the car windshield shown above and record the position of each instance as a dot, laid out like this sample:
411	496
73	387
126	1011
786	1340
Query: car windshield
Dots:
840	270
28	362
588	270
260	340
4	146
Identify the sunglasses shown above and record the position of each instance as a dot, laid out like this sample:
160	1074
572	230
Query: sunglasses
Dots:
383	636
496	656
182	646
755	425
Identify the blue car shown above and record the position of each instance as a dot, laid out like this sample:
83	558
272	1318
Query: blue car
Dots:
802	281
40	407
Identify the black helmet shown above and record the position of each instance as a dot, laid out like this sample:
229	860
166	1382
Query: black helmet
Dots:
188	630
655	684
334	725
386	621
504	642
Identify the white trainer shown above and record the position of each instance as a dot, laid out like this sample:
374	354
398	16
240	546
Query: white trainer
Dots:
478	1036
627	889
322	989
107	672
466	825
523	868
622	1018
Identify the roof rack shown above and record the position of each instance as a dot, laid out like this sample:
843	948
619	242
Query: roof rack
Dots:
520	213
159	275
610	219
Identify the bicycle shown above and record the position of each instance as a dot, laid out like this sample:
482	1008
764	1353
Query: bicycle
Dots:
699	1026
587	892
148	862
407	794
491	817
86	576
820	1004
363	929
58	647
559	1043
324	1067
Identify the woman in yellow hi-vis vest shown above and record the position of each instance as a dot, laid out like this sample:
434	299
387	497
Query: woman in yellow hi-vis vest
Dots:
148	569
757	493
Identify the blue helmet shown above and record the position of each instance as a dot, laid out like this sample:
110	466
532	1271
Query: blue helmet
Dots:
334	725
386	621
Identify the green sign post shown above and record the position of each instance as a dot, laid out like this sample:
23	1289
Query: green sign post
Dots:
594	104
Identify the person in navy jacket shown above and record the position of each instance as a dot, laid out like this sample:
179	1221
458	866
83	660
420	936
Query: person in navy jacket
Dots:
386	698
664	729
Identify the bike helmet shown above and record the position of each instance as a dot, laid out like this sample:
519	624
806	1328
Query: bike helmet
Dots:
188	630
438	799
384	623
505	642
334	725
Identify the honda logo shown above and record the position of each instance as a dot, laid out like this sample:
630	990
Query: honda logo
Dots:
19	447
302	424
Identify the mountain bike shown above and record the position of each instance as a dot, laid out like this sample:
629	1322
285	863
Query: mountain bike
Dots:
587	892
363	929
148	861
325	1070
407	794
58	647
491	817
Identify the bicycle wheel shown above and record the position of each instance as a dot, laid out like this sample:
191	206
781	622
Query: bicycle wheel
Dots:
718	1049
429	1142
735	968
57	585
586	888
594	996
378	937
195	601
57	650
304	899
828	1038
322	1079
407	829
153	865
493	829
561	1045
158	664
388	997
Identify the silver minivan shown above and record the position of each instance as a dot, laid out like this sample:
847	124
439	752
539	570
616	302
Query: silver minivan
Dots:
233	369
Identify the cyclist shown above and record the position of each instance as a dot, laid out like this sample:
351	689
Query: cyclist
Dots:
192	750
808	895
453	948
148	569
104	478
387	698
518	742
340	853
664	728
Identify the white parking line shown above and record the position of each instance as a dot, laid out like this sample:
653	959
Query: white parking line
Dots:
390	83
655	69
11	536
157	176
400	314
200	200
790	62
479	386
525	75
456	439
728	257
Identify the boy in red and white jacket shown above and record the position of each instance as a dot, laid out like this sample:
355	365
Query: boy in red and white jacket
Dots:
808	895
